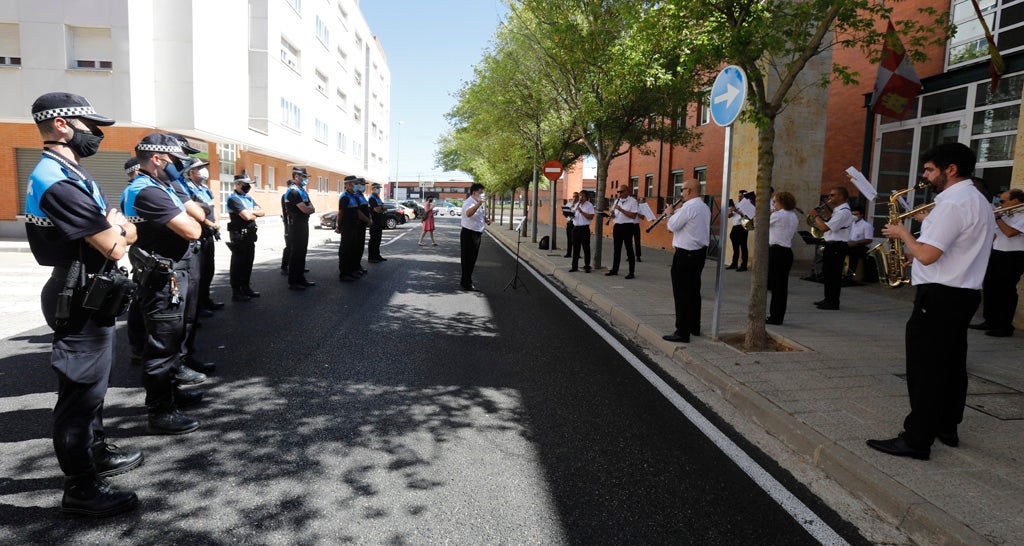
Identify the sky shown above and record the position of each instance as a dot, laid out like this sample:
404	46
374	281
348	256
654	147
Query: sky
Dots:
431	47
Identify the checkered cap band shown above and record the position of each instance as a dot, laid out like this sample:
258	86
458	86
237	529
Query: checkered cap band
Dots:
132	169
143	147
70	112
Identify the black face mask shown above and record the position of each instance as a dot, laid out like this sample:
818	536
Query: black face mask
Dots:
82	143
246	188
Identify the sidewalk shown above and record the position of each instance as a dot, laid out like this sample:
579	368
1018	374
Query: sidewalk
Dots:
845	387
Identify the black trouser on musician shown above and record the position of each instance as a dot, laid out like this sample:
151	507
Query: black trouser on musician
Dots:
780	261
1000	288
687	266
568	237
622	234
738	238
469	245
832	270
581	241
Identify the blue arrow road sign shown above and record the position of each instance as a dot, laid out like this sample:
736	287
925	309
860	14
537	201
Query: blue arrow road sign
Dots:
728	95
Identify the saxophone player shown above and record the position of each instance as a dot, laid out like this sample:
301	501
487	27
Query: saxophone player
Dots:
837	236
949	261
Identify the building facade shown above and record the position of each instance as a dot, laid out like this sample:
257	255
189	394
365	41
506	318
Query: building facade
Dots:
258	85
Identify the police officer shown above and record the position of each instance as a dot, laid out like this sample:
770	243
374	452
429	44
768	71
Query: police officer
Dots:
69	226
197	175
161	258
376	225
364	223
296	183
242	213
298	209
350	217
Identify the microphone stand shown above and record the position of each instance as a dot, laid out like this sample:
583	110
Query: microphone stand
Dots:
516	282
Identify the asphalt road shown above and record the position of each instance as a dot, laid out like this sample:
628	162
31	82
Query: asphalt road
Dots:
397	410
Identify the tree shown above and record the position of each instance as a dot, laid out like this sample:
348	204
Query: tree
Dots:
773	42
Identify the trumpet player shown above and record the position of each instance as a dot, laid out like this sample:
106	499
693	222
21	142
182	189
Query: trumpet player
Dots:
950	258
738	211
1005	267
837	236
626	214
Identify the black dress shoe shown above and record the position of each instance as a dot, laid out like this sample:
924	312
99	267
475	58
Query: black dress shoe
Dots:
573	270
373	260
184	398
675	338
296	287
638	259
305	270
468	288
308	283
201	367
1000	332
187	376
774	321
981	326
829	307
240	297
899	447
205	313
93	497
586	269
611	273
567	256
630	276
741	269
284	270
251	293
820	302
171	422
111	460
213	305
695	333
951	439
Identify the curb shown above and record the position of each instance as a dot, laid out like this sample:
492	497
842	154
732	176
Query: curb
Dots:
921	520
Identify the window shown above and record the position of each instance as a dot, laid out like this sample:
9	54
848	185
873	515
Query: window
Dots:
342	12
634	181
321	83
291	116
649	190
296	5
257	176
321	132
322	32
1005	18
705	108
89	48
357	76
357	113
677	184
701	174
342	142
289	55
270	178
359	44
342	100
342	54
10	45
227	154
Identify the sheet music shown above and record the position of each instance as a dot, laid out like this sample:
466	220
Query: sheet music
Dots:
862	183
647	213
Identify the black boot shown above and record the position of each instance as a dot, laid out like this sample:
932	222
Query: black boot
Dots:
93	497
184	399
187	376
111	460
170	421
201	367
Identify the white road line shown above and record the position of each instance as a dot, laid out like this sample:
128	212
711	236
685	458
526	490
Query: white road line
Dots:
778	492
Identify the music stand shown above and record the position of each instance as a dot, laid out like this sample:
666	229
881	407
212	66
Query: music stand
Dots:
818	245
516	281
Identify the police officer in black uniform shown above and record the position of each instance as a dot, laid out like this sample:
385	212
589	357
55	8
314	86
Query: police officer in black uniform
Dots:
242	214
197	176
377	226
350	221
70	228
161	258
298	209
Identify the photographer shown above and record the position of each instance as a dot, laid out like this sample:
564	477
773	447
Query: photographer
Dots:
71	229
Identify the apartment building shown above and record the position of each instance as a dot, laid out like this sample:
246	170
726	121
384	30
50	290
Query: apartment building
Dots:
257	85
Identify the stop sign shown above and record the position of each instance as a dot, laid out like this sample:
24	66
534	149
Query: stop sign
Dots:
552	170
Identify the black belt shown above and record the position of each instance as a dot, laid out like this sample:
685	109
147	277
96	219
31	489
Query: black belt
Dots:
699	252
836	243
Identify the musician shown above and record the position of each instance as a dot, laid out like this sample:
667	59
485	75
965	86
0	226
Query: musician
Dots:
744	207
950	258
569	210
861	235
1005	266
690	225
837	237
626	214
583	215
783	225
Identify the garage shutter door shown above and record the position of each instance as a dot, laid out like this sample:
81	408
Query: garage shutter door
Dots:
107	168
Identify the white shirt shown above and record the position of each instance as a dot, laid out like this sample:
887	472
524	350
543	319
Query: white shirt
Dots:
782	227
862	229
961	225
691	225
1015	243
839	224
746	208
581	207
478	221
628	204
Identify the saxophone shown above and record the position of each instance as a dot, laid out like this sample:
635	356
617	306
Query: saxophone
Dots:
891	262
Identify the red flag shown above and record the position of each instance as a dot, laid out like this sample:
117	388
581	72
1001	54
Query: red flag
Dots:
996	65
896	84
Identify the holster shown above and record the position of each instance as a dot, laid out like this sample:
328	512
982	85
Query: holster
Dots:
150	270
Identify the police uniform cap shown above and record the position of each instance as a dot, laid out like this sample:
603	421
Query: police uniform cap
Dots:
183	142
66	105
195	163
131	166
375	185
300	171
161	143
242	179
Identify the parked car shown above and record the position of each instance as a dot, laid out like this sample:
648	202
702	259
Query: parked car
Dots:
444	208
393	217
416	207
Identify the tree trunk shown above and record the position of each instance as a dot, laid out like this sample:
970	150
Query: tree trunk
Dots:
756	338
599	205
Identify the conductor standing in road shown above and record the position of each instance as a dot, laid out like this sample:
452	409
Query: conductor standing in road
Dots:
474	220
690	225
71	229
950	258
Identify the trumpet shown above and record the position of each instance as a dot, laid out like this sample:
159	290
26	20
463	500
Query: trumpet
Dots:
1008	210
891	262
663	216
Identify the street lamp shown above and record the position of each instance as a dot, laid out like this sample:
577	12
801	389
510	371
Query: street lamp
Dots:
398	149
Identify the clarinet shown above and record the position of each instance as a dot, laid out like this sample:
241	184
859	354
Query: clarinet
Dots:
609	219
663	216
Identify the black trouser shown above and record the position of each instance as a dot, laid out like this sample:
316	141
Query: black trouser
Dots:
738	237
636	239
687	266
623	233
857	254
936	352
362	245
81	355
286	254
832	269
780	261
207	255
1000	288
350	249
568	237
242	256
376	234
298	242
188	342
580	240
163	324
469	245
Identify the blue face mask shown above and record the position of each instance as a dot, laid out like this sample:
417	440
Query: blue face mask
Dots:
304	182
360	188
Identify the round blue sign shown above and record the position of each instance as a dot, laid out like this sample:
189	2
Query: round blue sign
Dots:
728	95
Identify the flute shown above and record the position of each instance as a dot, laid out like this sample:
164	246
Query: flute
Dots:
663	216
